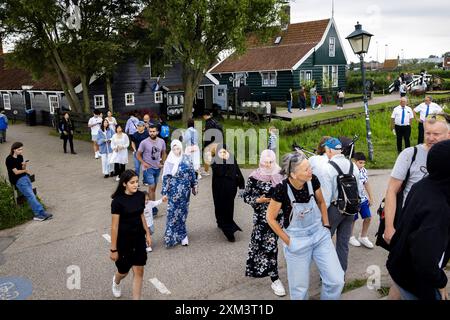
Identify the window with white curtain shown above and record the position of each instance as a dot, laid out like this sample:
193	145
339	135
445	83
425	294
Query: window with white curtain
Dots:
6	101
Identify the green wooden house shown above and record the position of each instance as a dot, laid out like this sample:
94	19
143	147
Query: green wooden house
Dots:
303	51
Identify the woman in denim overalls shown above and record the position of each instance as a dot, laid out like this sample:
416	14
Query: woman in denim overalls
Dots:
306	233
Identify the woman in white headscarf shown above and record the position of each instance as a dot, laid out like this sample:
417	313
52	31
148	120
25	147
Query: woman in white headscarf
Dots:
262	259
178	180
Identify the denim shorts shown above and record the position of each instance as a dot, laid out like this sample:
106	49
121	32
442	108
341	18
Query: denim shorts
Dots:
151	176
364	211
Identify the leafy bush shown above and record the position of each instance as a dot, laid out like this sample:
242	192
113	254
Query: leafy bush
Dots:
10	213
441	73
446	84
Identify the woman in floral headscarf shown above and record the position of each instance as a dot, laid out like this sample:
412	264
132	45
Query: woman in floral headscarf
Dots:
263	248
178	181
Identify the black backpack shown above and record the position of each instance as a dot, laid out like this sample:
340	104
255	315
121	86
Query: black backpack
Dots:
348	201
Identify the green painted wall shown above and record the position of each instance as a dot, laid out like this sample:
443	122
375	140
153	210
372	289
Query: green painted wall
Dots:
288	79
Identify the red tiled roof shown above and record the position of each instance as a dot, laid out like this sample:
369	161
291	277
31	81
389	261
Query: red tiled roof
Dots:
14	79
390	64
295	43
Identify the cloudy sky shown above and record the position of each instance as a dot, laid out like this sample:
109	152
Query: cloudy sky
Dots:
419	28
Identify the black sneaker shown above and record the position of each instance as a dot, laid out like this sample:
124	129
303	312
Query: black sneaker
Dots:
40	218
106	176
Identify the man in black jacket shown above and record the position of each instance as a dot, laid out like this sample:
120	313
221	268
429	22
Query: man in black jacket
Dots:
420	247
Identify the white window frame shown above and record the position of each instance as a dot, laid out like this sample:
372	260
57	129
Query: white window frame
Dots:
221	92
200	94
175	100
158	97
127	95
53	104
303	76
169	100
269	79
335	76
332	47
181	99
6	106
98	106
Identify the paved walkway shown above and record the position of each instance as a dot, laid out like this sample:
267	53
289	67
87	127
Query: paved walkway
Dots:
296	113
74	190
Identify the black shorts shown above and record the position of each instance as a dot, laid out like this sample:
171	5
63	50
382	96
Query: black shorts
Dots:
131	254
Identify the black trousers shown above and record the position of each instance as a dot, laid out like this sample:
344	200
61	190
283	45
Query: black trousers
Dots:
421	133
118	169
70	138
402	132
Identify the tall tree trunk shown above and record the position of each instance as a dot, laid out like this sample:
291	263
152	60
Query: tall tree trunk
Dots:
72	105
65	73
109	93
85	85
191	82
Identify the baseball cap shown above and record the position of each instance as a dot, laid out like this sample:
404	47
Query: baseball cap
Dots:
333	143
141	123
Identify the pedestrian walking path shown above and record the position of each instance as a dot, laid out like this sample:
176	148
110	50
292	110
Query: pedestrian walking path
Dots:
74	190
296	113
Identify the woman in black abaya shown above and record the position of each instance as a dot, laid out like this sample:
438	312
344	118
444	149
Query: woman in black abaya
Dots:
226	179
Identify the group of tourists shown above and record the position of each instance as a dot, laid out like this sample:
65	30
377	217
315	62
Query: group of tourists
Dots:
304	201
316	99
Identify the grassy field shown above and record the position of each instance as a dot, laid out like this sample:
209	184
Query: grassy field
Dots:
11	214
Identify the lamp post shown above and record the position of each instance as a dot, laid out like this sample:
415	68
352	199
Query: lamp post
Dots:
359	41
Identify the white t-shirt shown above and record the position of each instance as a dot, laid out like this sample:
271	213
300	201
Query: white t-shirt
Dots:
418	168
112	124
96	121
397	116
422	108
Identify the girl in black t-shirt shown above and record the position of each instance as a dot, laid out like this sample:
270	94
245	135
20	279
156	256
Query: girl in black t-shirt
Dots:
129	233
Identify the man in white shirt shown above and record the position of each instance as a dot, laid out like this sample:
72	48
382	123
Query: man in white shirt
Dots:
340	223
95	123
401	121
403	89
424	109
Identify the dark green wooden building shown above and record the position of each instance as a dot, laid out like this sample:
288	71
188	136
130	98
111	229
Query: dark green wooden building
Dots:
303	51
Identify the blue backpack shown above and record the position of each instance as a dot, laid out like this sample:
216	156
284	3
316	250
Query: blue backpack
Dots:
3	124
165	131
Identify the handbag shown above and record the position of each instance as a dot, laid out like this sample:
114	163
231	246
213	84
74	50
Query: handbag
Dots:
398	212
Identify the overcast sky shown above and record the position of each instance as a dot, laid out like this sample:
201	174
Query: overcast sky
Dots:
420	28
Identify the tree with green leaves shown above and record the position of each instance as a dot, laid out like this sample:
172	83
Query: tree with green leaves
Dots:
194	32
47	40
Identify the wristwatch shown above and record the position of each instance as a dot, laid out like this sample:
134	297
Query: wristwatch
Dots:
113	250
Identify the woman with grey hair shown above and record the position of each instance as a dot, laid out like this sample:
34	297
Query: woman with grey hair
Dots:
306	229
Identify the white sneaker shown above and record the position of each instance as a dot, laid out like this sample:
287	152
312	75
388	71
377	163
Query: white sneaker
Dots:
199	177
278	288
185	241
117	292
149	249
366	242
354	242
206	174
117	178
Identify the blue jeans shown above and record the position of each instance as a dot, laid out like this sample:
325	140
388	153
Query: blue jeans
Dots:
315	244
289	105
151	176
137	165
26	188
406	295
313	102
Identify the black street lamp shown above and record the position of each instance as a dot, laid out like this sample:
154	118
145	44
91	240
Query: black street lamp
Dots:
359	41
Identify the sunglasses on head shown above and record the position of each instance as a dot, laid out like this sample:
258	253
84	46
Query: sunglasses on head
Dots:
438	117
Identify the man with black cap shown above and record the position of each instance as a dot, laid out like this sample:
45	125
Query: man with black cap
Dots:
340	223
420	247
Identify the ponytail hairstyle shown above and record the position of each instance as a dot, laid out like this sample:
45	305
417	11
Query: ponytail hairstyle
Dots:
15	146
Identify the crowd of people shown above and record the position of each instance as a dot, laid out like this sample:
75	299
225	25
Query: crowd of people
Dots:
304	201
316	99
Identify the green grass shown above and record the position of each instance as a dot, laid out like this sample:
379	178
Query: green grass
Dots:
354	284
10	214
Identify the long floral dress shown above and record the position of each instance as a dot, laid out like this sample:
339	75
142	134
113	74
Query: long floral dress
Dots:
178	189
262	259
